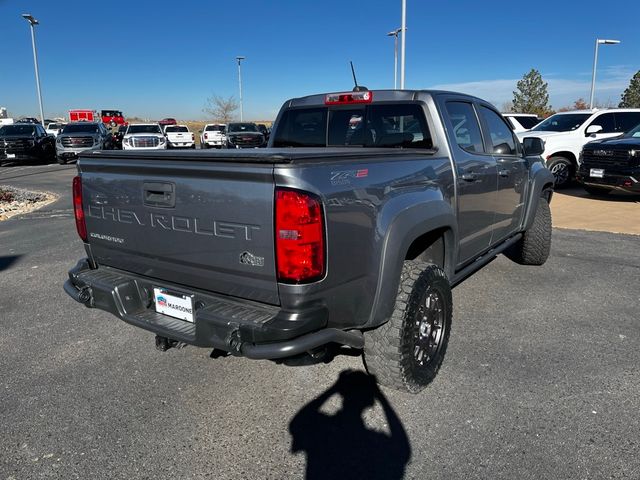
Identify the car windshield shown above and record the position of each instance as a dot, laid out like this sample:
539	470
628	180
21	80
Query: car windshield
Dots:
243	127
53	126
17	130
144	129
111	113
176	129
633	133
562	122
80	128
215	128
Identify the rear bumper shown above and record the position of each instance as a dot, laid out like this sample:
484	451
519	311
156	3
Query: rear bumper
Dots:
16	156
627	180
182	144
238	326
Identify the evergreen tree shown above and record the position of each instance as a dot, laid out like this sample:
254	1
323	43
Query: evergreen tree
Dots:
531	95
631	96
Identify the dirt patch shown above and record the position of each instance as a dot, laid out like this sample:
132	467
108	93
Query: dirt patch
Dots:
576	209
16	201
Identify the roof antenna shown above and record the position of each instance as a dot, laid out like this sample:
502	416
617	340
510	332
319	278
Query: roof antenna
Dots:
357	88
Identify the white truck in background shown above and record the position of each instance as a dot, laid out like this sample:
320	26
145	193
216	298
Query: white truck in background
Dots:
521	122
144	136
179	136
213	135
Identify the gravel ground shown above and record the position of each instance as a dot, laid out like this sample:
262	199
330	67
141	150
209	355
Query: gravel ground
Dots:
15	201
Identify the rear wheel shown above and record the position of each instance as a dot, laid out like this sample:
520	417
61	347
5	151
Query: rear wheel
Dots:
406	352
596	190
563	170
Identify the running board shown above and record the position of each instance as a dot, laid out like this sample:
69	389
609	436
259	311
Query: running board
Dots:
484	260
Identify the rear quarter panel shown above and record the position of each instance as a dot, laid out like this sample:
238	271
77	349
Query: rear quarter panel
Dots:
373	210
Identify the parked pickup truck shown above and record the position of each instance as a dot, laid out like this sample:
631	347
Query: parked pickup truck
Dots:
611	164
213	135
144	136
351	229
179	136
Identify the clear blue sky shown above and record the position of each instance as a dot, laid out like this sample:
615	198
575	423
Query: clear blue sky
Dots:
155	59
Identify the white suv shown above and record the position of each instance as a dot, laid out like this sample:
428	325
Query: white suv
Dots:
144	136
566	133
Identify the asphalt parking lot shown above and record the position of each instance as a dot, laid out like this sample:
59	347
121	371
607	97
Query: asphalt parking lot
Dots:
540	380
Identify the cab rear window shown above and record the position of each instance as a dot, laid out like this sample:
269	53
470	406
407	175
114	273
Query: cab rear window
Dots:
382	126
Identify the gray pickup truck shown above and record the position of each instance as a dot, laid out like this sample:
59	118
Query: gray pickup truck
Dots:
350	229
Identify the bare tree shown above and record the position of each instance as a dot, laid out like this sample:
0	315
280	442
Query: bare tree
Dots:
221	109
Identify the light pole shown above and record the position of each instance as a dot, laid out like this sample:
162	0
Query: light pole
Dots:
403	26
33	22
595	64
394	34
239	59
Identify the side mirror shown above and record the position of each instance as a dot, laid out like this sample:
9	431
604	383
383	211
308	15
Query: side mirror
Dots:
593	129
533	146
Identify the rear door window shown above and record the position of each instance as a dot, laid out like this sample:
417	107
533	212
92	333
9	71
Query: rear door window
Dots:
606	121
466	129
499	134
626	121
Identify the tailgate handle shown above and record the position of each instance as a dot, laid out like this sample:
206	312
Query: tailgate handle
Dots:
159	194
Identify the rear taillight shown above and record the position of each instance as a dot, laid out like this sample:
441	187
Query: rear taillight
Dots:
81	226
299	237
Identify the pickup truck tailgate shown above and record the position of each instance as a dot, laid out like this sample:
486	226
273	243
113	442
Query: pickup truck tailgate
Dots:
202	224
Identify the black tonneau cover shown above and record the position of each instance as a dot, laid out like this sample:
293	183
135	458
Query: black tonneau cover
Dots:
258	155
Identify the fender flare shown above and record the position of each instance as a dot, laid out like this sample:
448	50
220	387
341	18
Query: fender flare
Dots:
541	180
406	227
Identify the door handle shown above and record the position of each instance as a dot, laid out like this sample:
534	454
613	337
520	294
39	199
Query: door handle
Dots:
469	177
504	173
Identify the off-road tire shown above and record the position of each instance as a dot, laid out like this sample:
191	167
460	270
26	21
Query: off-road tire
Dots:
563	171
390	350
534	246
597	191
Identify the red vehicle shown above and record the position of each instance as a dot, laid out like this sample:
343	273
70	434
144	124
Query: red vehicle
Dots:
168	121
112	117
83	115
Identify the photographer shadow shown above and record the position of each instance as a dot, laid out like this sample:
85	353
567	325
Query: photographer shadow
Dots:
341	445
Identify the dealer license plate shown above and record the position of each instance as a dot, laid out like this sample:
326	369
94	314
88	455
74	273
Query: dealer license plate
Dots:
596	173
173	304
11	155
